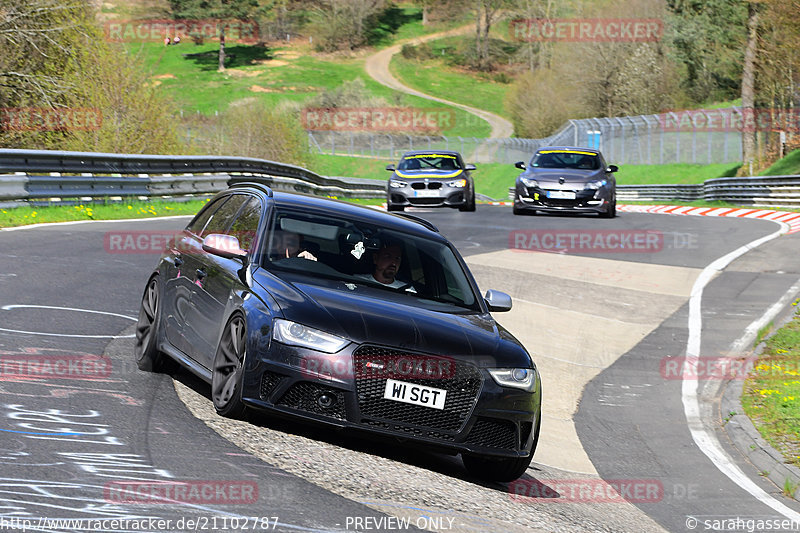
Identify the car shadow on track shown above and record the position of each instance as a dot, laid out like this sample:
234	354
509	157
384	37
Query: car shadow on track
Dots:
389	448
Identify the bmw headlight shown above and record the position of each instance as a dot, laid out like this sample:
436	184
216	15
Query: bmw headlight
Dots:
295	334
457	183
518	378
397	184
529	182
594	185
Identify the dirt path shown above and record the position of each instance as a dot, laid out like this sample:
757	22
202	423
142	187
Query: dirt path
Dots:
377	66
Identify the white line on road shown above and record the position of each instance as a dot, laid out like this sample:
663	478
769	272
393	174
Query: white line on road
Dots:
705	439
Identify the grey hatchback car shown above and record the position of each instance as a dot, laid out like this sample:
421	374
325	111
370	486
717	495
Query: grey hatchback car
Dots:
430	178
565	178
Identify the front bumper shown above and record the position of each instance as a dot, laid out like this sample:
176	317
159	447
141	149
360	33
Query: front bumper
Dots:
585	200
479	416
444	196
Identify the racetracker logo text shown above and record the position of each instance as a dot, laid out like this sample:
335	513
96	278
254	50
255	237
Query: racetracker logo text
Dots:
54	367
587	241
157	30
730	119
586	490
384	119
50	119
380	367
587	30
191	492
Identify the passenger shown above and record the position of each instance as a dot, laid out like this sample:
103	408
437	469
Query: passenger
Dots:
286	244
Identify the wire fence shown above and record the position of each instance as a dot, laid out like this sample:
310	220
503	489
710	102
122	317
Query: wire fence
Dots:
699	136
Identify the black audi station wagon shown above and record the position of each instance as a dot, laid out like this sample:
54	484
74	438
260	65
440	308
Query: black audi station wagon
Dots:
343	315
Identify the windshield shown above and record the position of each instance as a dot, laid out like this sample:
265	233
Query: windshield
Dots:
429	162
566	159
366	255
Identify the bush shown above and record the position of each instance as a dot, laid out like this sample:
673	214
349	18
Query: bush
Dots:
249	128
349	94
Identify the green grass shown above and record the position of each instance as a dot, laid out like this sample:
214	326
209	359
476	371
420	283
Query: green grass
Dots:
404	22
676	173
27	214
772	391
788	166
187	74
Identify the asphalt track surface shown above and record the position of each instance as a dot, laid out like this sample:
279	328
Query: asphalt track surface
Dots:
68	442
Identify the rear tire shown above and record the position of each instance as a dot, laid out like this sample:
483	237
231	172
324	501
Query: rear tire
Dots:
148	356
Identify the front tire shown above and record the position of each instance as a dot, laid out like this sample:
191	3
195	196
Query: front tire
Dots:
470	205
611	212
228	369
148	356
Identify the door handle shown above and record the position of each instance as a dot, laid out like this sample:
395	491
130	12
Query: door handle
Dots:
200	273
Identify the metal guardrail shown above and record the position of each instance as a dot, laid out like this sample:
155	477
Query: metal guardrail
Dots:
756	191
43	174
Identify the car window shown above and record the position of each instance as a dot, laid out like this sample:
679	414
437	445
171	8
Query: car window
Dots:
429	162
353	252
245	226
222	218
574	159
201	219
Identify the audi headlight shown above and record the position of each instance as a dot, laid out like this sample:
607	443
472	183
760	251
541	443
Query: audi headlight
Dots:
397	184
457	183
518	378
529	182
295	334
596	184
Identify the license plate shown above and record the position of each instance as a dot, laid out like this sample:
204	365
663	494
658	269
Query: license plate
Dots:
426	193
561	195
400	391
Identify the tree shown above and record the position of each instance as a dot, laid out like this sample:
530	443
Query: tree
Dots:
748	83
345	24
486	13
223	12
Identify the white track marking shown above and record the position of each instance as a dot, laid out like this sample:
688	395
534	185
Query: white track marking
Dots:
705	439
21	306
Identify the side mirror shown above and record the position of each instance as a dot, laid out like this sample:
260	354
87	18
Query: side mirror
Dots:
390	167
226	246
520	165
612	168
497	301
469	166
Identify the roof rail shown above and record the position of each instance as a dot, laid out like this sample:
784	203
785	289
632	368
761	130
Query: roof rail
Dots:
234	182
418	220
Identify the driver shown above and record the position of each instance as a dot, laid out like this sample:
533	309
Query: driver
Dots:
386	264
